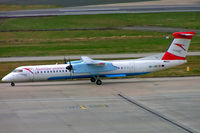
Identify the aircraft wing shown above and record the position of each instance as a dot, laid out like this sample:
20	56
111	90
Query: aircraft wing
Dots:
90	61
91	66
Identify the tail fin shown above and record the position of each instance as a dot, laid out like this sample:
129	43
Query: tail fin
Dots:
179	46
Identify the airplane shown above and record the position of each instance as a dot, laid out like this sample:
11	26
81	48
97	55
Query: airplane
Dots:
95	69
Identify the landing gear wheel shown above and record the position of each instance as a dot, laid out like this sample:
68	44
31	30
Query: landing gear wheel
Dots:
98	82
12	84
92	79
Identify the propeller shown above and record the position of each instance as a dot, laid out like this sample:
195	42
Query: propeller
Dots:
65	61
70	68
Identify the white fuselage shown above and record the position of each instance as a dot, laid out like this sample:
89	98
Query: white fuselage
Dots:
59	71
93	69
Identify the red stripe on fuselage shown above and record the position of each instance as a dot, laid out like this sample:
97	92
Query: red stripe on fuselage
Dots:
169	56
28	70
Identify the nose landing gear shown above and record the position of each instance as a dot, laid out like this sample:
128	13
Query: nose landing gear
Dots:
12	84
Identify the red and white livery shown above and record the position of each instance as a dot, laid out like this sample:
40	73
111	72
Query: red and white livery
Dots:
95	69
179	47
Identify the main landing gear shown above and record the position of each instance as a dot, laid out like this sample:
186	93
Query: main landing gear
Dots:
96	80
93	79
12	84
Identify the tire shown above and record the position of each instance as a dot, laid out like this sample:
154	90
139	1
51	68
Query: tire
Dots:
98	82
92	79
12	84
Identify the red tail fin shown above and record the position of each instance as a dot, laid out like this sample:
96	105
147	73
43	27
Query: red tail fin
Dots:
179	47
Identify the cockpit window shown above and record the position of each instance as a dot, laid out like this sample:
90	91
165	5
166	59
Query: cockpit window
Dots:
18	70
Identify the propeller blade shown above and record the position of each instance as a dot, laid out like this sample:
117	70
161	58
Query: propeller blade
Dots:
69	62
65	61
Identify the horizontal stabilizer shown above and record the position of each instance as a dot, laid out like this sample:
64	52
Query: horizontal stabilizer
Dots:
184	35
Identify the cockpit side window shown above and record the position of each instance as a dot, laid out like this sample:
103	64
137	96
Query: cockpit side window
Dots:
18	70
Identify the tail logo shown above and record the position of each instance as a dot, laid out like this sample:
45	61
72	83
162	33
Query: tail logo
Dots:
181	46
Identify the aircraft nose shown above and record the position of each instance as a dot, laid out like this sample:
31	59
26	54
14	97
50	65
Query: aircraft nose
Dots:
7	78
4	79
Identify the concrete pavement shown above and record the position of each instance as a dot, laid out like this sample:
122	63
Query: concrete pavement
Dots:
100	10
83	107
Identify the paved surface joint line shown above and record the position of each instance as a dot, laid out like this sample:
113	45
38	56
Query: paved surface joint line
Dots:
158	114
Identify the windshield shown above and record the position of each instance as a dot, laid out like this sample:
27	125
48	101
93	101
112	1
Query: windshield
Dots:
17	70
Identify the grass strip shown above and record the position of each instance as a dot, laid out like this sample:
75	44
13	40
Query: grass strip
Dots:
182	20
9	7
85	42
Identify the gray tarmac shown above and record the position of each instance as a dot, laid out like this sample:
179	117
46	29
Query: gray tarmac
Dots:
100	10
79	106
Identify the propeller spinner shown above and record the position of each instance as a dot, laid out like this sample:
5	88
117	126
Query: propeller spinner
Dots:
70	68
